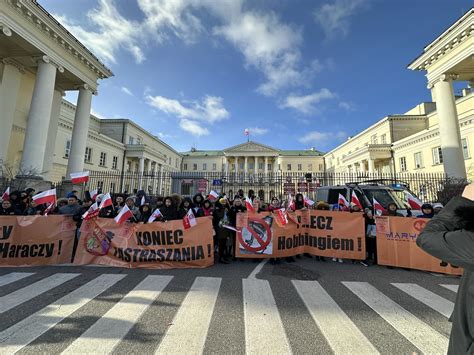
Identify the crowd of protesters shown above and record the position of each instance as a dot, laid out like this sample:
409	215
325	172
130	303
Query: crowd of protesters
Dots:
223	210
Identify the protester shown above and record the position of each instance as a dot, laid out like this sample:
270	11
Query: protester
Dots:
198	200
145	212
71	207
236	208
392	210
186	205
370	238
168	210
119	203
207	209
130	202
7	209
220	219
437	207
323	206
274	205
449	236
33	209
427	211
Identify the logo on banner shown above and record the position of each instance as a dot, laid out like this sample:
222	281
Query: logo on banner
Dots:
98	242
419	224
256	236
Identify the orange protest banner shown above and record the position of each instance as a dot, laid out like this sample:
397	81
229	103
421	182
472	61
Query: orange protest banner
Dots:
36	240
158	245
320	233
396	246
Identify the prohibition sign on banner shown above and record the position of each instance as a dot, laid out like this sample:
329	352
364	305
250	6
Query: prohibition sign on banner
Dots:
263	243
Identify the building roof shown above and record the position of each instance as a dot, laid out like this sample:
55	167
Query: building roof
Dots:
306	153
204	153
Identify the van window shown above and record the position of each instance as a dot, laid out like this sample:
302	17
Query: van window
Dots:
333	195
383	196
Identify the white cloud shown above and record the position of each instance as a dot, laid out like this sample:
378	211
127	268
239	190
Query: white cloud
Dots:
321	138
126	91
111	32
348	106
257	131
306	103
334	18
97	114
193	127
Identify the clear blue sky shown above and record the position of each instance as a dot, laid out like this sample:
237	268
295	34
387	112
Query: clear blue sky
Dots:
297	73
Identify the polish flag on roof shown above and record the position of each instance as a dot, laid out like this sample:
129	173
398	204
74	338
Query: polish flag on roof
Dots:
123	215
79	178
48	196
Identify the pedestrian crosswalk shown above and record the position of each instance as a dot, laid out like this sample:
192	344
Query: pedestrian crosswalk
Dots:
333	308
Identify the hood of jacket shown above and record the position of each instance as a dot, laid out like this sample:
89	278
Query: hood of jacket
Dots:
466	215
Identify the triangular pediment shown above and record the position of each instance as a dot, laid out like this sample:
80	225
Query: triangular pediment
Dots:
251	147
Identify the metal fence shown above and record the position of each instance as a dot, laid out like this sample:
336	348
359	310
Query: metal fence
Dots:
428	187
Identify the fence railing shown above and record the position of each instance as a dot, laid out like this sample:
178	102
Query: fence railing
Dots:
428	187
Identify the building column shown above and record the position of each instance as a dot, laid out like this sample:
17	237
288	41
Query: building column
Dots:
256	165
9	88
226	162
36	136
371	166
160	179
246	168
236	162
141	167
52	134
265	168
80	131
453	159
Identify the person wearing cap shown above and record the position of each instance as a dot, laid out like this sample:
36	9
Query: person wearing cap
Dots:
437	207
427	211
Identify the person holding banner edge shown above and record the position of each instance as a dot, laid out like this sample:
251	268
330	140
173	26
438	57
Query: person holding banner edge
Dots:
449	236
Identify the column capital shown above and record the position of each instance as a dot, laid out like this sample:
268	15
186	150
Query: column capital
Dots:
14	63
443	77
48	60
5	30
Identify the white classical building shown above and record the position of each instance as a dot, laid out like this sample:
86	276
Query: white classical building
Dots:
40	60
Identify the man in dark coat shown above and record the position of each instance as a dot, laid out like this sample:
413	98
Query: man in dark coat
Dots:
449	236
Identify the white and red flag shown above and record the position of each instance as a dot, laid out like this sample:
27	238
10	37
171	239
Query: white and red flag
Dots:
246	132
342	201
154	215
94	194
355	200
142	201
48	196
308	202
212	195
6	194
249	205
282	217
79	178
379	210
123	215
189	220
93	211
106	201
415	204
291	203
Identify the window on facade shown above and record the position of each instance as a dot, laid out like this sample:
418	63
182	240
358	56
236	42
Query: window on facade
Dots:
214	166
261	165
269	167
300	167
67	148
251	165
131	140
204	166
437	154
310	167
465	148
320	167
233	167
373	139
114	162
88	155
169	161
241	166
279	166
112	187
176	165
195	166
418	160
185	166
383	139
139	140
103	158
288	167
403	164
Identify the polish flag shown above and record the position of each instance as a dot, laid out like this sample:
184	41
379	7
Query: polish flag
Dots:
246	132
49	208
93	211
189	220
94	194
282	217
308	202
142	201
355	200
414	203
48	196
249	205
212	196
342	201
232	228
123	215
379	210
6	194
79	178
291	203
154	215
106	201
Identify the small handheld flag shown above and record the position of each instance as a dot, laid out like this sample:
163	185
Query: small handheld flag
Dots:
79	178
379	210
189	220
93	211
249	205
154	215
106	201
355	200
414	203
308	202
123	215
342	201
212	195
48	196
6	194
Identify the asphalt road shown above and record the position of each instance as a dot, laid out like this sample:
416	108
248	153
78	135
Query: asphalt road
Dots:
303	307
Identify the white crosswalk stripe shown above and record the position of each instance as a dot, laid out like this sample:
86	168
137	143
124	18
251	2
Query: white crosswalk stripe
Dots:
453	288
22	333
431	299
332	320
107	332
188	332
425	338
29	292
13	277
264	331
263	328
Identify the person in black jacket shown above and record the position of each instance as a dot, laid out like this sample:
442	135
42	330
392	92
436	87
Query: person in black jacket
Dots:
449	236
169	211
7	209
145	212
198	200
185	206
237	207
